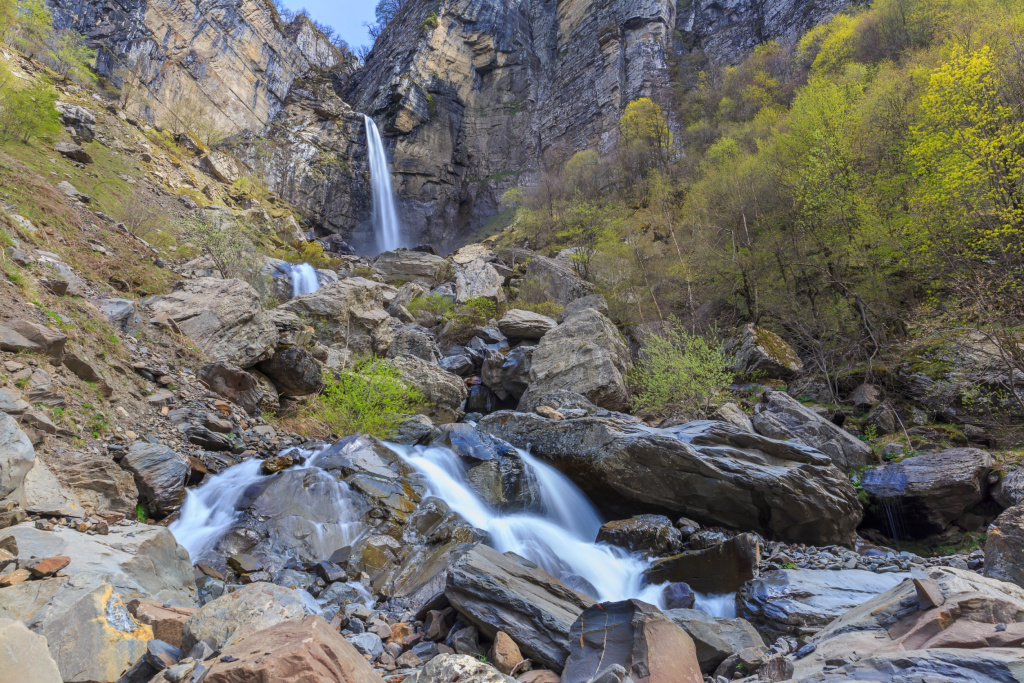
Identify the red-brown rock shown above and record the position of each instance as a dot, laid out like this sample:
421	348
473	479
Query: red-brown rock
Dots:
47	566
168	623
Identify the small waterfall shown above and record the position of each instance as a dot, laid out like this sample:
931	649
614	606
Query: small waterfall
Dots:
888	486
386	230
304	279
209	511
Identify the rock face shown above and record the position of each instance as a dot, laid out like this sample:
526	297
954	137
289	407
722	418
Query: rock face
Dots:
508	593
715	638
1004	546
24	655
585	354
635	636
160	475
931	490
710	471
223	317
780	416
232	618
758	350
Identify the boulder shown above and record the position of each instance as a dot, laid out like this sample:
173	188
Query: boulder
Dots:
497	592
223	166
99	484
167	622
734	415
478	280
233	617
803	601
947	666
123	314
548	279
760	351
443	392
24	655
586	355
594	301
234	384
504	653
72	151
160	475
633	635
1004	546
782	417
932	490
22	336
420	267
722	568
652	534
715	638
710	471
79	118
44	494
298	649
520	324
294	372
224	318
1010	489
17	456
349	312
414	340
452	668
507	375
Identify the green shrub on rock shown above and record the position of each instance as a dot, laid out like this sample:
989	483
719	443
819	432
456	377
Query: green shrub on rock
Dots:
370	398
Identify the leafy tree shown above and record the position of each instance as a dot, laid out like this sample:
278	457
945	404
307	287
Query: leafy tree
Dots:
8	17
230	248
644	132
72	58
582	173
34	26
370	398
29	113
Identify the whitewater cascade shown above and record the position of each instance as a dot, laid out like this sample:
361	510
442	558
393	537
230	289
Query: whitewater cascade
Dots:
386	230
304	280
558	536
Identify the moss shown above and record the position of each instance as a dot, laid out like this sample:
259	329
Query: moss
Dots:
775	346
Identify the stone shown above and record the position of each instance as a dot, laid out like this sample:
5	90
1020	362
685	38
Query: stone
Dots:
708	470
548	279
504	653
298	649
224	318
455	668
78	118
678	595
349	313
223	166
496	592
294	372
73	152
167	621
414	340
884	418
123	314
443	392
723	568
803	601
652	534
160	474
520	324
933	490
734	415
1004	546
403	265
715	638
71	192
478	280
25	336
865	396
540	676
929	594
12	403
234	384
85	369
780	416
161	655
48	566
369	644
763	352
586	355
594	301
549	413
14	578
235	616
24	655
635	636
17	458
99	484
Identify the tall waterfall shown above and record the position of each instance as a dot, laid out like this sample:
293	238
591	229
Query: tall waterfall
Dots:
386	230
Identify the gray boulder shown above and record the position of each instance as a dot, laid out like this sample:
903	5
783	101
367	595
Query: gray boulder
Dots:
722	568
123	314
79	118
349	312
294	372
443	392
414	340
21	336
248	610
1004	546
710	471
16	458
594	301
25	656
653	534
715	637
234	384
454	668
403	265
478	280
548	279
760	351
159	474
520	324
782	417
1010	489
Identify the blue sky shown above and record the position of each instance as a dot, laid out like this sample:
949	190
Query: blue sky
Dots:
346	16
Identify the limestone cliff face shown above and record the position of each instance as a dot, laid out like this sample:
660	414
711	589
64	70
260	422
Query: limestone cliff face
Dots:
228	59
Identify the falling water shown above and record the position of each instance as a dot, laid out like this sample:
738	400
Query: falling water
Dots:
386	229
304	280
888	485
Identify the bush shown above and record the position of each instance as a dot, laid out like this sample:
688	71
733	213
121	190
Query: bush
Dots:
679	370
29	113
230	248
371	398
433	306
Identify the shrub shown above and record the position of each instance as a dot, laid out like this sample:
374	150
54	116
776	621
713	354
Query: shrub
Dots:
230	248
71	58
434	306
551	309
679	369
371	398
29	113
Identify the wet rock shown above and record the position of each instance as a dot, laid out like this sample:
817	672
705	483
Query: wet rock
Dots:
721	569
72	151
715	638
709	470
297	649
585	355
443	392
233	617
652	534
481	400
779	416
1004	546
234	384
678	595
635	636
294	372
478	279
457	669
508	593
758	350
549	279
223	317
22	336
160	475
520	324
931	490
24	655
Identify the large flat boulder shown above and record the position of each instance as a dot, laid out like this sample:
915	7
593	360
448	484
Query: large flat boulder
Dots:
224	318
710	471
520	324
715	638
782	417
1004	546
497	592
403	265
349	312
443	392
762	353
21	336
586	355
233	617
159	473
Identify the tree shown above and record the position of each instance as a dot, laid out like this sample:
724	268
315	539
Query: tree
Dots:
29	113
8	17
72	58
34	26
644	133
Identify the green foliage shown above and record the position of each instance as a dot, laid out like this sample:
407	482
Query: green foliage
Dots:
551	309
140	513
29	113
677	369
430	22
370	398
71	58
8	17
230	248
33	27
433	306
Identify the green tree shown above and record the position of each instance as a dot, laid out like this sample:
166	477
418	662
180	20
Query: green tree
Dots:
29	113
8	17
370	398
34	26
72	58
644	135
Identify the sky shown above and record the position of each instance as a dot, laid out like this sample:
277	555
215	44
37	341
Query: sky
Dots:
345	16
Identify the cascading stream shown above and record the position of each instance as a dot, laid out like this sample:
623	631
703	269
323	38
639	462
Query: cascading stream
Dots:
386	230
304	280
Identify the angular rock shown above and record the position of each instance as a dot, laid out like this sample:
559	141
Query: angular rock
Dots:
1004	546
17	457
224	318
711	471
678	595
520	324
723	568
443	392
653	534
167	622
1010	489
23	335
123	314
780	416
234	384
73	152
223	166
453	668
478	280
548	279
233	617
414	340
504	653
758	350
159	473
349	312
294	372
403	265
496	592
715	638
47	566
585	355
79	118
594	301
635	636
99	484
24	655
369	644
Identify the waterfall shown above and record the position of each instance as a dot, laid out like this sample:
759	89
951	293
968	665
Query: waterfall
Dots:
386	230
304	280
